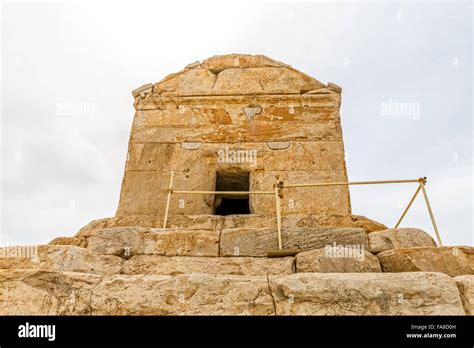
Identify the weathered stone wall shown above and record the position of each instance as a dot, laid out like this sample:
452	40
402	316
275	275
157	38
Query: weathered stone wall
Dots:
235	102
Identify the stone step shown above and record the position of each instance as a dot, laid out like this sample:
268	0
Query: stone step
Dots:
218	222
366	294
153	264
337	259
37	292
257	242
129	241
59	258
453	261
75	259
395	238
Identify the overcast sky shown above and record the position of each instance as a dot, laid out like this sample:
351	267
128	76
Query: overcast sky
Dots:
68	71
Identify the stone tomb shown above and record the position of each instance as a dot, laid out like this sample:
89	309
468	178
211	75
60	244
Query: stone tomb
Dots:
235	123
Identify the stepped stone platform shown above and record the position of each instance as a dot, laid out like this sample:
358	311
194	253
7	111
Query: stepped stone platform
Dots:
199	272
217	222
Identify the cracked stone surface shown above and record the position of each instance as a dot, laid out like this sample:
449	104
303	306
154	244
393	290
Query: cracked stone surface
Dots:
366	294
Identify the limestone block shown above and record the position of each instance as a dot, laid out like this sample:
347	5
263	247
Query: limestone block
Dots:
147	88
257	242
394	238
222	62
320	109
152	264
193	65
37	292
64	258
465	285
145	192
205	158
335	259
314	200
78	241
187	294
366	294
129	241
215	133
453	261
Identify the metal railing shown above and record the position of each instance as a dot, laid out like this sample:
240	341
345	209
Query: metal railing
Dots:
280	186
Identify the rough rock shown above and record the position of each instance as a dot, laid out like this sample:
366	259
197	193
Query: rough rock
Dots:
152	264
68	241
337	260
65	258
366	294
465	285
367	224
257	242
129	241
395	238
195	294
37	292
346	220
453	261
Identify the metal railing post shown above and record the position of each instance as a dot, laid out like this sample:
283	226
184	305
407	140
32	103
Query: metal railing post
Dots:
408	206
428	205
168	200
278	215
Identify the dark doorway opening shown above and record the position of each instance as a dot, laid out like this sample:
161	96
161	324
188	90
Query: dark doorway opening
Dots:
232	204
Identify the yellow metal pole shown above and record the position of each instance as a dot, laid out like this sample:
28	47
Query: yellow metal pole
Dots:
428	205
227	192
408	206
168	200
353	183
278	215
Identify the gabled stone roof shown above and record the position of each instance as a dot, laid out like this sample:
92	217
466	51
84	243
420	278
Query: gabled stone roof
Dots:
237	74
